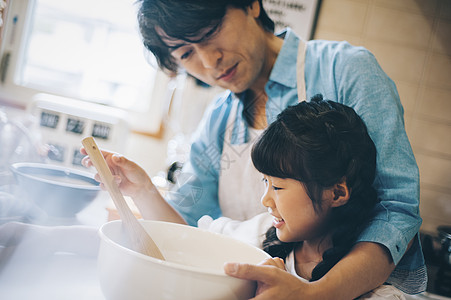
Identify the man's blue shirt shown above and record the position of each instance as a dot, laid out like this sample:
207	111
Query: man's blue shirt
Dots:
351	76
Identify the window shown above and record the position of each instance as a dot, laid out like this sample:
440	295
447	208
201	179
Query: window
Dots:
89	50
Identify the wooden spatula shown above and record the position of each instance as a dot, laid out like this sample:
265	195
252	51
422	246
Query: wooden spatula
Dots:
140	240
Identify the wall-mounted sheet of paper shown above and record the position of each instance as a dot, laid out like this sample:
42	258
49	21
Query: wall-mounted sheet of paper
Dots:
298	14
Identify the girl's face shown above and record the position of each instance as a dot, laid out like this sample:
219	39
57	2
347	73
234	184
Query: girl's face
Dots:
294	215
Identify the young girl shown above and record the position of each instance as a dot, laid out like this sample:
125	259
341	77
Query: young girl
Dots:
318	164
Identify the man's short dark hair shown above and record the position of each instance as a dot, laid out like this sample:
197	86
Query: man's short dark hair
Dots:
184	20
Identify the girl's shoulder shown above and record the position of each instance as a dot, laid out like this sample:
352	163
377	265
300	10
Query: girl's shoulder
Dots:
290	267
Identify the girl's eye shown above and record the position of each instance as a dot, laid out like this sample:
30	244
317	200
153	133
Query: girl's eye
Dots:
186	54
275	188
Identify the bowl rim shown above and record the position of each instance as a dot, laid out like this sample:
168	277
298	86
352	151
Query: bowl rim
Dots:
179	266
15	168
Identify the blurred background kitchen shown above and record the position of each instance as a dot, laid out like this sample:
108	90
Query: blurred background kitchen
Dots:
75	68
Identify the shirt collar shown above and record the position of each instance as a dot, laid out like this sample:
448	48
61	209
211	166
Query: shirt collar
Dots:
284	70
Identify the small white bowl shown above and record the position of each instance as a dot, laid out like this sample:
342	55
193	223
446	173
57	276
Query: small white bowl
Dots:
58	190
193	268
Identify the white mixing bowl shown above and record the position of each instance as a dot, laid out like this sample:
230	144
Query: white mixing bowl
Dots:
193	268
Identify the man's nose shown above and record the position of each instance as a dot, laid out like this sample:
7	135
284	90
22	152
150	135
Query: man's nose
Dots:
209	55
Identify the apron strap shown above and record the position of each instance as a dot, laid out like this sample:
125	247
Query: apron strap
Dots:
300	67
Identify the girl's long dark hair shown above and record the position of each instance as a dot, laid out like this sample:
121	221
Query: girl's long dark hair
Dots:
184	20
319	143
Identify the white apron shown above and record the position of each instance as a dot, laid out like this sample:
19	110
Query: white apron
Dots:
240	184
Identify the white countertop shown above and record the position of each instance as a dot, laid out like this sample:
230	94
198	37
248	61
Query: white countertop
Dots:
58	277
32	271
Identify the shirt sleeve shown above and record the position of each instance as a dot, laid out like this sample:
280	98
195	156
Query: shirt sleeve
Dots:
363	85
251	231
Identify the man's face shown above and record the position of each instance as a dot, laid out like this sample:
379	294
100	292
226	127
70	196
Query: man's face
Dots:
231	55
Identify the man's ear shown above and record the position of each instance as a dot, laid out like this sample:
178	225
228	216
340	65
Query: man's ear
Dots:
254	9
341	194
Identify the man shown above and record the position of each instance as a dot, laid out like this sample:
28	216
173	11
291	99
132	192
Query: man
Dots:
231	44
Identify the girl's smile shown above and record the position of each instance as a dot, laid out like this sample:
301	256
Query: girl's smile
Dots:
277	222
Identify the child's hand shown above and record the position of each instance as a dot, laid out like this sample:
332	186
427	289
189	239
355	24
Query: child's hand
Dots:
130	177
273	281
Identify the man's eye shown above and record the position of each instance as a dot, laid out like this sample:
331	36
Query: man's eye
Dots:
186	54
276	188
212	32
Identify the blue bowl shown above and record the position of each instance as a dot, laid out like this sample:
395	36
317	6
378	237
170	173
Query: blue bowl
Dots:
58	190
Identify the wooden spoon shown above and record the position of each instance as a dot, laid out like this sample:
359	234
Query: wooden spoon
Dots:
140	239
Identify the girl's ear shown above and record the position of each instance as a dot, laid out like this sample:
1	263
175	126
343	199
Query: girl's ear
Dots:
341	194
